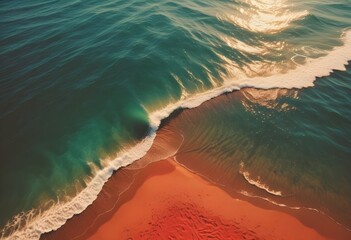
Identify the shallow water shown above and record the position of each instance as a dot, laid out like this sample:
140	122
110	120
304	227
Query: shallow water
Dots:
290	147
80	80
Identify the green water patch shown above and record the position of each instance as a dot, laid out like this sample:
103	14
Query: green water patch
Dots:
54	146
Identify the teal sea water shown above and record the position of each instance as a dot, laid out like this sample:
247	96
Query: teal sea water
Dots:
83	82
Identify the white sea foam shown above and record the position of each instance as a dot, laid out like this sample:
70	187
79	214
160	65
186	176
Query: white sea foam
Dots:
257	182
260	185
300	77
305	75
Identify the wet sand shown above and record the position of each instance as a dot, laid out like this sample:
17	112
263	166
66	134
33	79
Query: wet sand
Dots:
163	199
167	201
174	203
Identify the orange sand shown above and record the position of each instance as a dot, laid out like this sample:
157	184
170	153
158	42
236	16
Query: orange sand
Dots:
178	204
164	200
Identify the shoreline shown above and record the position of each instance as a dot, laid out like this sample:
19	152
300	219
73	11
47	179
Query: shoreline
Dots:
121	188
167	200
89	195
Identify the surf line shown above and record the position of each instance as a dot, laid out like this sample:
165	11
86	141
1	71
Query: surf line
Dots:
301	77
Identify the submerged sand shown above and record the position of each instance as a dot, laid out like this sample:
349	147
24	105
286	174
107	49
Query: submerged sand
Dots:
158	198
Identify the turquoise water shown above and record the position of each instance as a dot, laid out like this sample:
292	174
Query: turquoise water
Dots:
80	79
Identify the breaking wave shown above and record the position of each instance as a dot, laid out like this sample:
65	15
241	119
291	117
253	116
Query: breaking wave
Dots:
300	77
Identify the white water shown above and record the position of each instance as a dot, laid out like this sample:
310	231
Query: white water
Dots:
257	182
300	77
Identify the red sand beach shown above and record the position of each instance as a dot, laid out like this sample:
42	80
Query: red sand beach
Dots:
178	204
152	199
167	201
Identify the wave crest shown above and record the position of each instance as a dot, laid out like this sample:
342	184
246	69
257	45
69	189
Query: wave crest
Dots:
300	77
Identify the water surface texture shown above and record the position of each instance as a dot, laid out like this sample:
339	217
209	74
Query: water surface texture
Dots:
82	82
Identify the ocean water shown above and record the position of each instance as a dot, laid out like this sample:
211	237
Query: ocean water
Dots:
85	84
